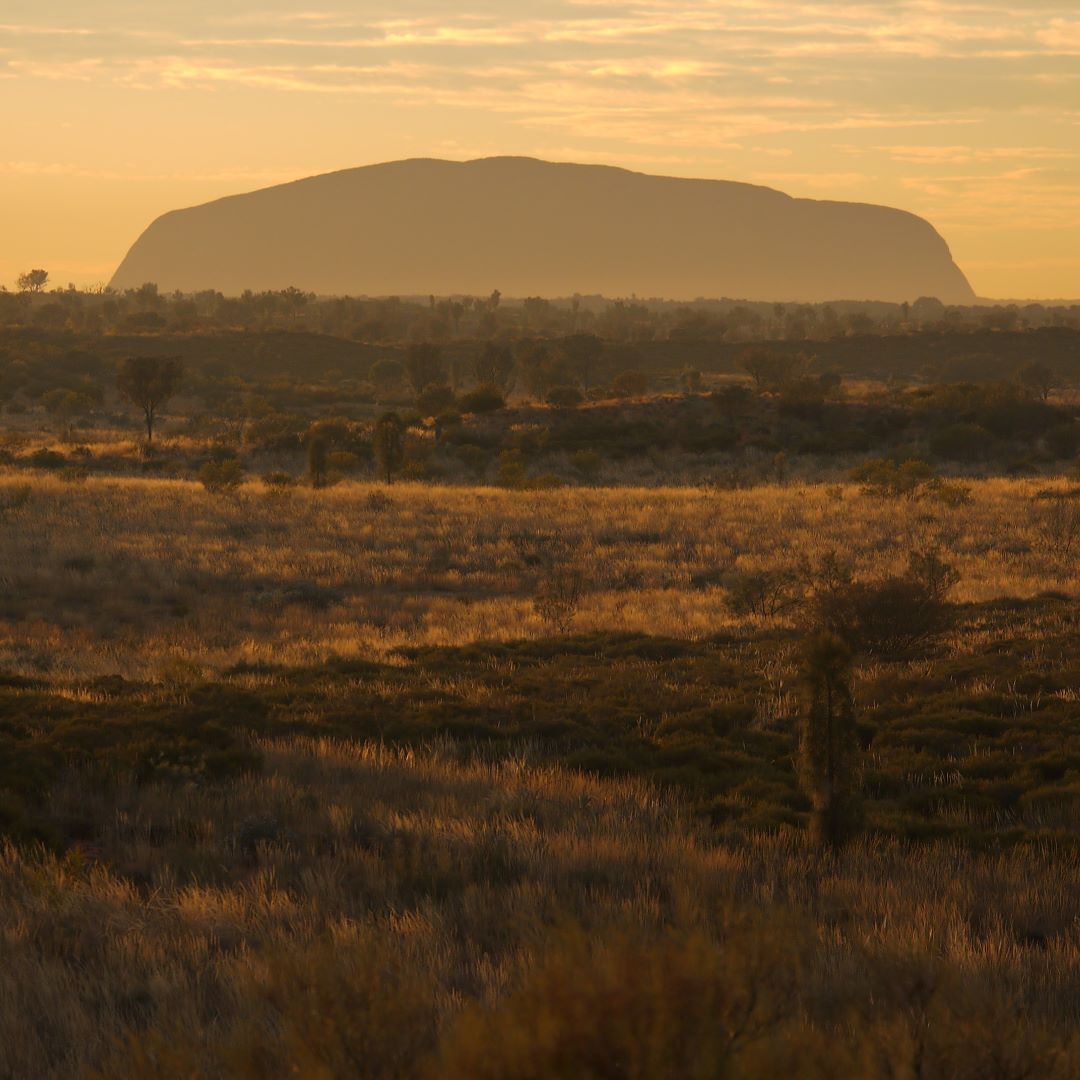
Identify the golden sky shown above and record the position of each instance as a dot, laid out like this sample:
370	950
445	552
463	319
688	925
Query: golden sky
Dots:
964	111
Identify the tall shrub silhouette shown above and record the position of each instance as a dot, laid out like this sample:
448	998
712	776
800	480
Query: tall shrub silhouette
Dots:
389	444
828	741
316	456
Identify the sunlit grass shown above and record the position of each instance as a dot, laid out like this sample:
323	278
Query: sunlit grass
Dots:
144	577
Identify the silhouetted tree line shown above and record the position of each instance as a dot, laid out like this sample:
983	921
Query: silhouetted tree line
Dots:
445	319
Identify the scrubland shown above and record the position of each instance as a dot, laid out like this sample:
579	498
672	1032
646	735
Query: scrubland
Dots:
308	783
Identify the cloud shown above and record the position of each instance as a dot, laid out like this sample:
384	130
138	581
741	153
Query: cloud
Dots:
963	110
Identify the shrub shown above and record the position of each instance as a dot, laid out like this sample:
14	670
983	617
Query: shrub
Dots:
1063	440
512	472
770	370
588	463
386	373
279	481
895	616
766	593
564	397
343	461
962	442
47	459
483	399
911	479
435	400
561	583
630	384
474	458
1058	522
680	1006
220	477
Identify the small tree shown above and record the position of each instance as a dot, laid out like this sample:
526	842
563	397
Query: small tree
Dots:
630	384
770	370
765	593
1037	378
424	366
494	366
828	741
582	353
389	444
386	373
147	382
33	281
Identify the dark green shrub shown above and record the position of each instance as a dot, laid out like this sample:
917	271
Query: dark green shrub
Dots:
565	397
484	399
435	400
47	459
893	617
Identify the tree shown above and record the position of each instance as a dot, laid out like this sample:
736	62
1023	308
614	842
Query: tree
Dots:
1037	378
147	382
386	374
424	366
630	384
828	740
582	353
33	281
389	444
493	366
770	370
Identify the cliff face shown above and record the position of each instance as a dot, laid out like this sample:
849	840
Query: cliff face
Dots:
529	227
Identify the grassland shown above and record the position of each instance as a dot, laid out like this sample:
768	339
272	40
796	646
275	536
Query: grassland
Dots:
155	578
305	783
354	910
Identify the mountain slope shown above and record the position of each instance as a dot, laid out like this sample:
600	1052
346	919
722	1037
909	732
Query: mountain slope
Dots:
529	227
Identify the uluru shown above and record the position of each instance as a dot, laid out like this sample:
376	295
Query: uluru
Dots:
529	227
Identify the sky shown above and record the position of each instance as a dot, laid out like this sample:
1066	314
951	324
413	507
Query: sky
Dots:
964	111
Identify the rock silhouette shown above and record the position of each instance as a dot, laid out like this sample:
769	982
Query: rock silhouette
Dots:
529	227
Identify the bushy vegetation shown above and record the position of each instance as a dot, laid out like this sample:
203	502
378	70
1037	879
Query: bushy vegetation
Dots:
694	702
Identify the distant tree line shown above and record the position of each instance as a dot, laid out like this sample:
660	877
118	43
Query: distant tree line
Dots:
444	319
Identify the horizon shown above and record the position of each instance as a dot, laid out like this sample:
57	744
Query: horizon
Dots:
963	114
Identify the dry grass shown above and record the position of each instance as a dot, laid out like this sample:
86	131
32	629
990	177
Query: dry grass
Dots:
155	578
177	927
